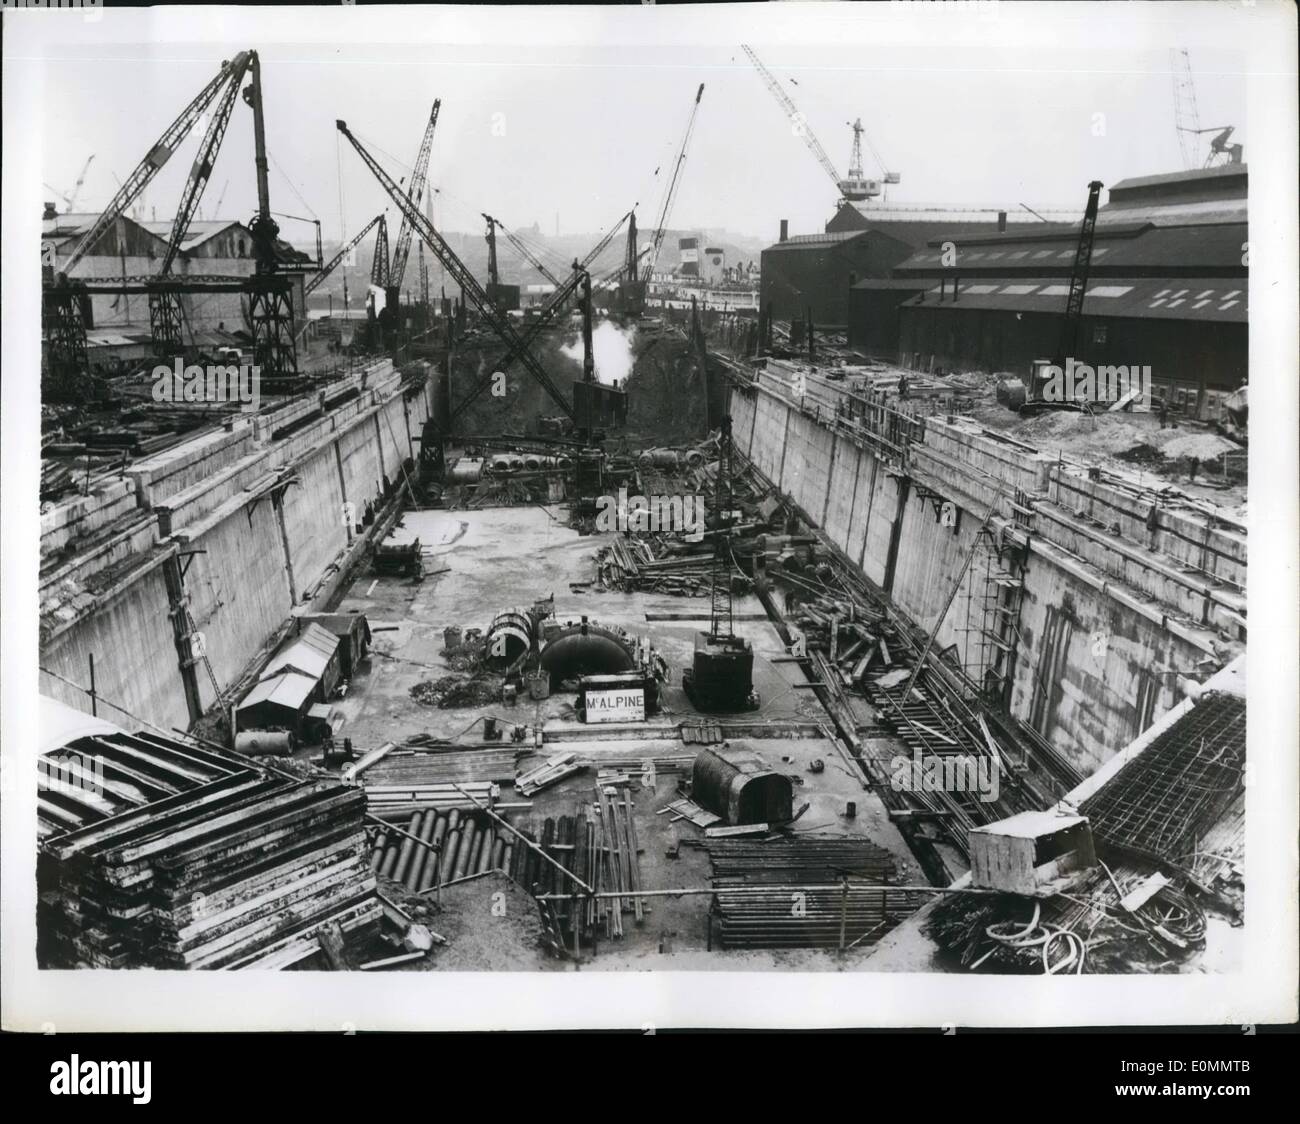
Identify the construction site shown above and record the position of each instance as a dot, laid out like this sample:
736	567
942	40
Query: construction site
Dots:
616	604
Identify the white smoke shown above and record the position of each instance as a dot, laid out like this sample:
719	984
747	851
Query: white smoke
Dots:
612	349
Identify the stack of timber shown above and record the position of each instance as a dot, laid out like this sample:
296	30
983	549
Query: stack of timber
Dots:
442	764
224	874
395	801
533	778
805	892
435	847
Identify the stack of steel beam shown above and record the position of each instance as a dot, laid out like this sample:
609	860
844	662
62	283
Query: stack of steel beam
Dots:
805	892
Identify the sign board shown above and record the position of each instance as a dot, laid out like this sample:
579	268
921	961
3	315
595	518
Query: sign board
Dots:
625	704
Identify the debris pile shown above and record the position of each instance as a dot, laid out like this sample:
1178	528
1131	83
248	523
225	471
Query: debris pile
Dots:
451	691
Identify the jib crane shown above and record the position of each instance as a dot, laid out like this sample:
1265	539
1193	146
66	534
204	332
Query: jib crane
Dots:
70	197
415	192
721	676
314	283
853	188
469	285
519	244
1069	337
636	300
66	304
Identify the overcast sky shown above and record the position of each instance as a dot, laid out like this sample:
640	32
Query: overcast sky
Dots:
574	117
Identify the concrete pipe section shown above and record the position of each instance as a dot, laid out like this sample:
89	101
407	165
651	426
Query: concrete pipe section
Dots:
509	637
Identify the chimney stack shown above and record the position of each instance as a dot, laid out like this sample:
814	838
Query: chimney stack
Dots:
785	229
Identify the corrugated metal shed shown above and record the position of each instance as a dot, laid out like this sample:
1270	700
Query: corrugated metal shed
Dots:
279	702
314	653
1198	299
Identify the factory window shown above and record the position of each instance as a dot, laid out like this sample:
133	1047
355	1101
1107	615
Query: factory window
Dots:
242	249
1099	333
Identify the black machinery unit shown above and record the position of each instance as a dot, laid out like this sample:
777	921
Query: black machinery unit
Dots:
721	678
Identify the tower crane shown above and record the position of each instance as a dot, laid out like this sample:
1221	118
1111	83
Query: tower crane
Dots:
853	188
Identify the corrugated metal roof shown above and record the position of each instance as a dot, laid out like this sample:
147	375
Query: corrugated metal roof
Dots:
288	689
811	241
1194	175
198	232
1143	245
1217	299
310	653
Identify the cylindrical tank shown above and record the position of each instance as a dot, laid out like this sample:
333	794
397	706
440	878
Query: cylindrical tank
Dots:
695	458
467	470
509	637
584	649
265	743
659	458
539	685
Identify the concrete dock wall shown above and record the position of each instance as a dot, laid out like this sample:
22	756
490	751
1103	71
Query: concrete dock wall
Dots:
224	533
1121	593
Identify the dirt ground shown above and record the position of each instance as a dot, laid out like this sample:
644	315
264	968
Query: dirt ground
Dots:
1134	446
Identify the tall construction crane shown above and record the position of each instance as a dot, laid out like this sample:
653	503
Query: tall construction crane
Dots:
313	283
159	154
275	348
1187	120
523	248
66	304
165	312
469	285
519	244
379	275
70	197
853	188
634	293
415	192
1068	341
721	676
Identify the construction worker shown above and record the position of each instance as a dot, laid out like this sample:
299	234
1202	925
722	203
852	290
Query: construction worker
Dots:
902	386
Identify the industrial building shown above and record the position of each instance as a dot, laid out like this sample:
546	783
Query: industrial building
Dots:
133	248
1168	288
805	273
